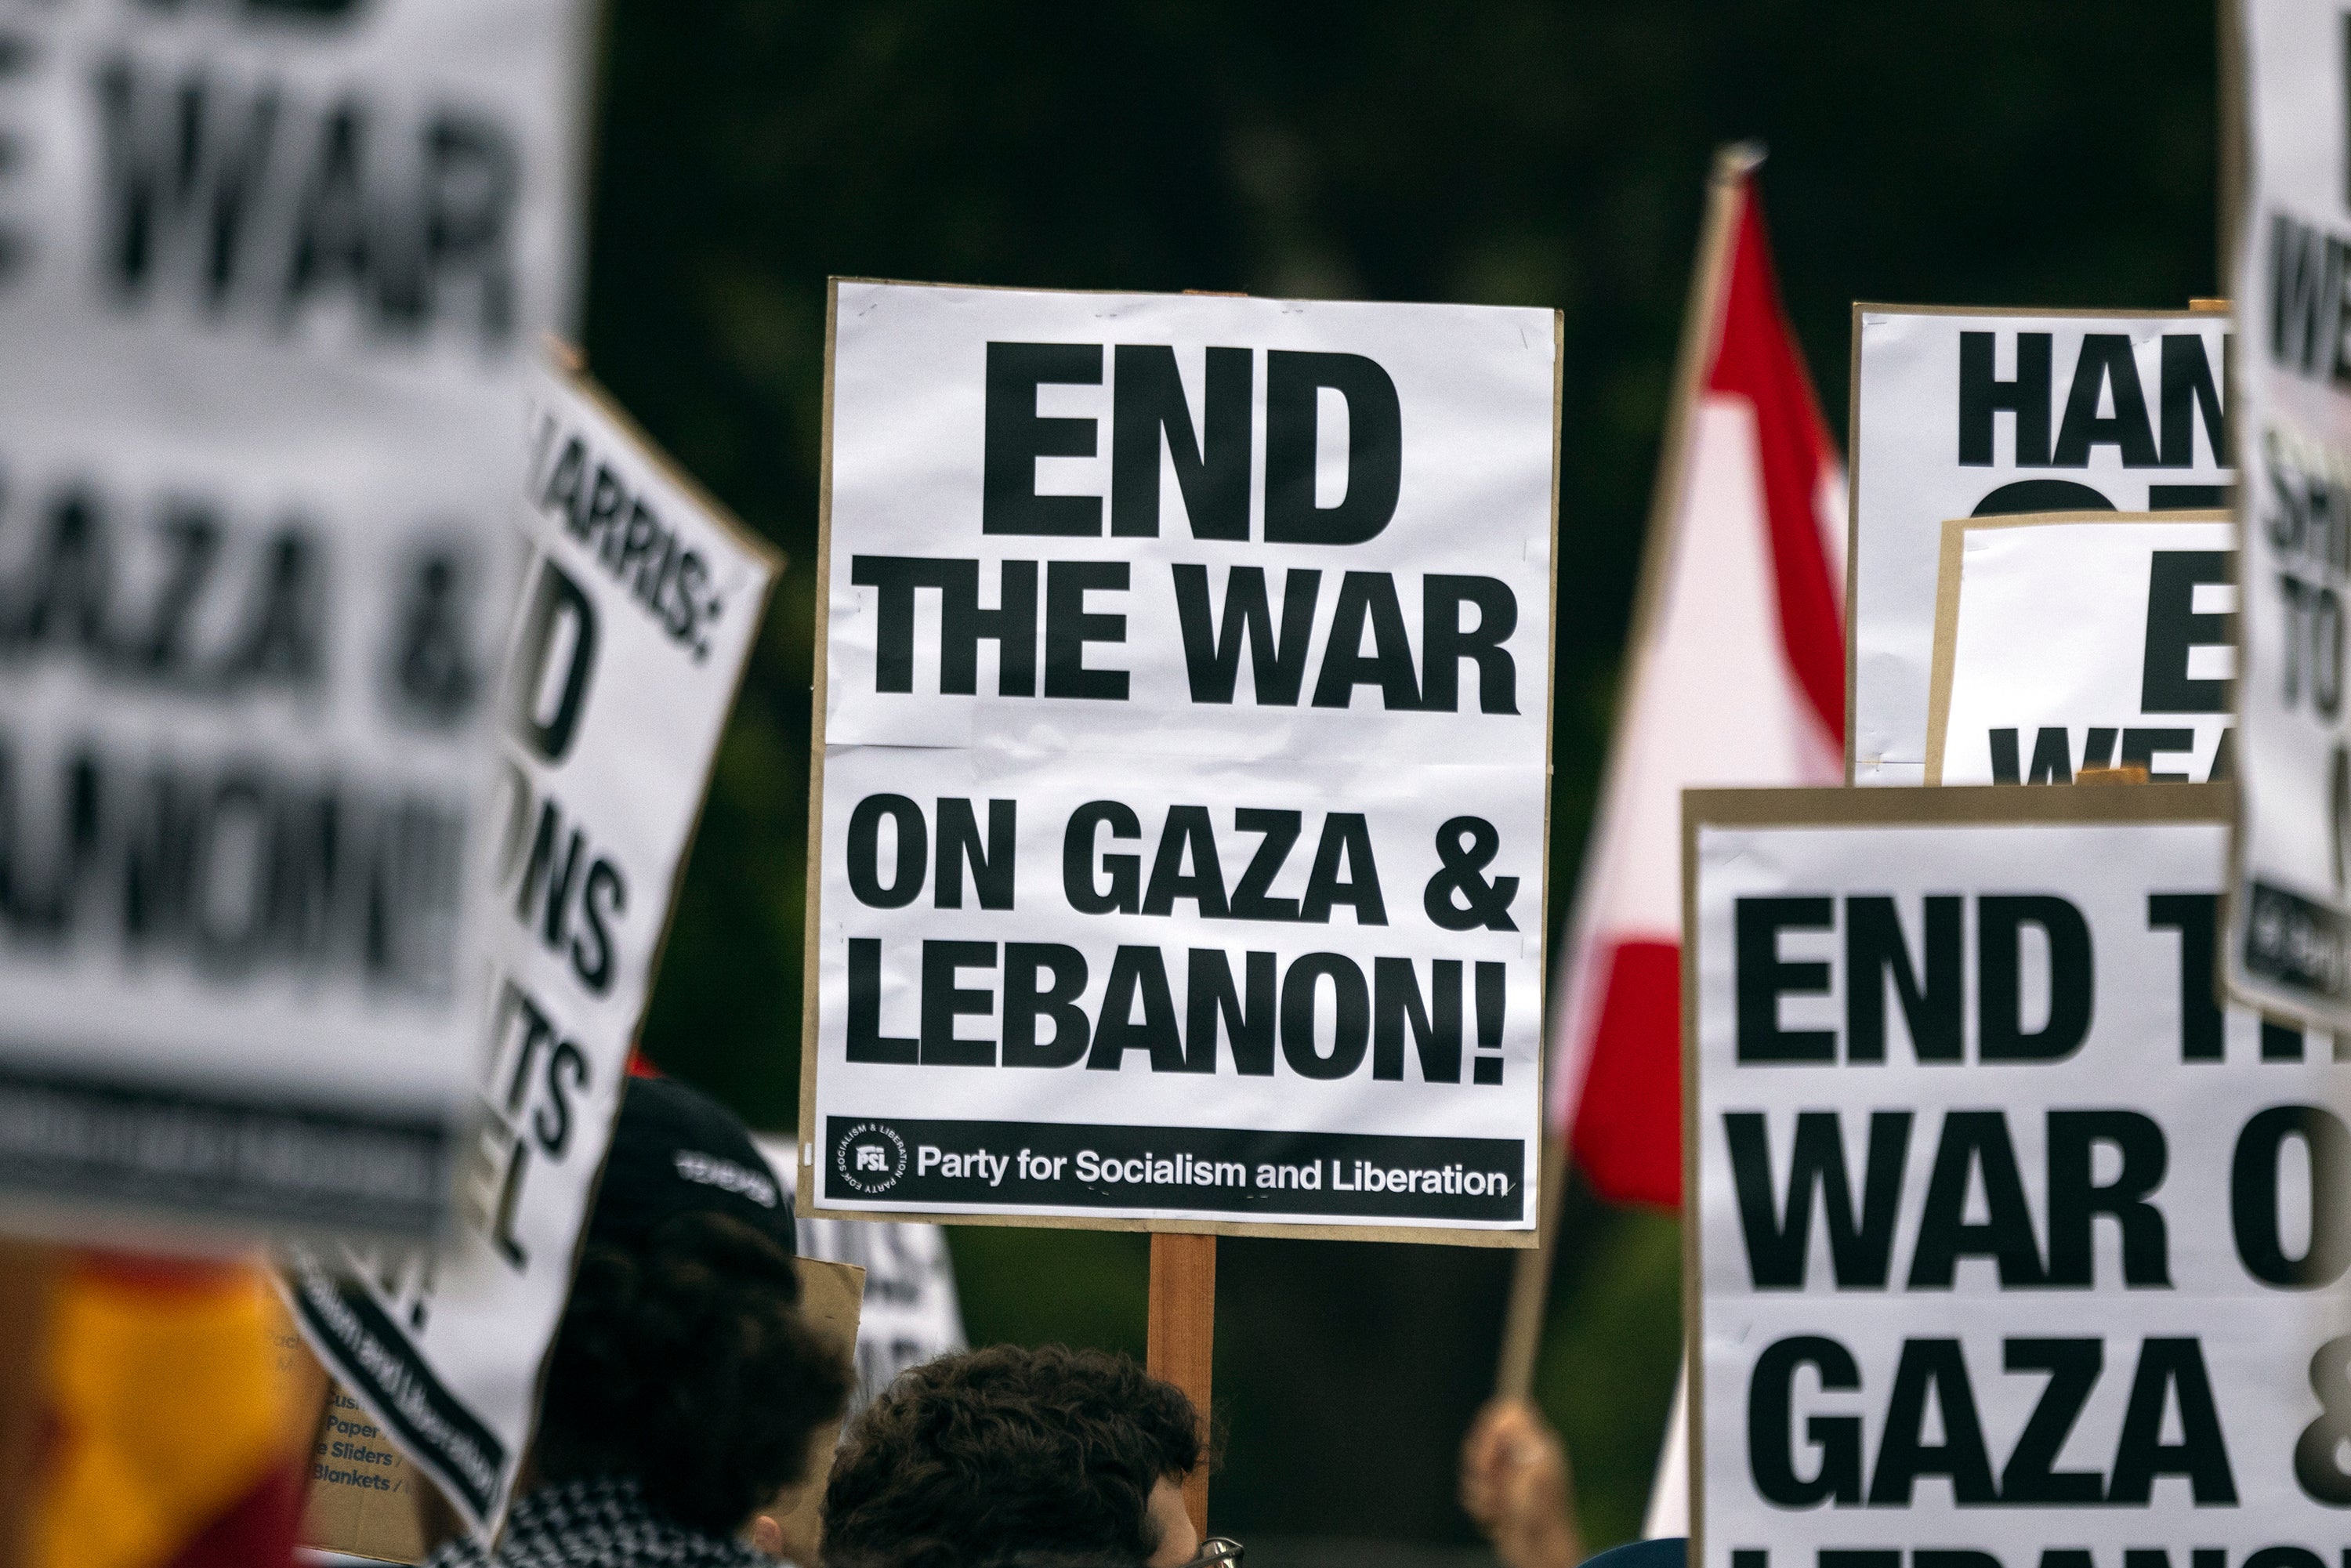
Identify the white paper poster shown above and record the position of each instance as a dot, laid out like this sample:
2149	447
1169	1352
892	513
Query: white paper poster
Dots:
2082	640
2290	914
641	603
269	276
1959	414
2010	1239
1185	736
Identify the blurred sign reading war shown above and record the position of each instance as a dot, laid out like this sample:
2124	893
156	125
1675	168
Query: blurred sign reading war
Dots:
269	276
2290	906
1184	711
641	603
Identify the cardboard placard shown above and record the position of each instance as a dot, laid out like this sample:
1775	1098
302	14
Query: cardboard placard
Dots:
1177	852
269	279
2009	1240
642	601
362	1500
2288	941
2073	640
911	1313
1964	413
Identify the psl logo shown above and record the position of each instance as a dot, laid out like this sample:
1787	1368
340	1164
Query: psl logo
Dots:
869	1158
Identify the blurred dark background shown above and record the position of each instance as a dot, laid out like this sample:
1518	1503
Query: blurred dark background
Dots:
1503	152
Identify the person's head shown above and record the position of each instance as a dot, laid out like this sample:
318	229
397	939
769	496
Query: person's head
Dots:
1011	1454
682	1360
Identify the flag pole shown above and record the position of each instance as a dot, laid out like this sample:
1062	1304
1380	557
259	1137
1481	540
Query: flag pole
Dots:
1726	192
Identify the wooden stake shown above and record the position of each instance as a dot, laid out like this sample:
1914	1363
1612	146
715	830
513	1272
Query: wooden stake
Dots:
1180	1343
1530	1284
29	1275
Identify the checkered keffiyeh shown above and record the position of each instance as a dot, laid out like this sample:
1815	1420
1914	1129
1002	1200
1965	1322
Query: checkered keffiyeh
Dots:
603	1521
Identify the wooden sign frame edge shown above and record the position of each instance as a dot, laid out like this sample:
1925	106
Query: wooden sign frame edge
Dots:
1524	1236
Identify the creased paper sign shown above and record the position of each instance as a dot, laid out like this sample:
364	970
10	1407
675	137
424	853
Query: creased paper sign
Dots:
2080	640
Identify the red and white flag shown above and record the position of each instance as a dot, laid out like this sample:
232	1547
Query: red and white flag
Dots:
1736	676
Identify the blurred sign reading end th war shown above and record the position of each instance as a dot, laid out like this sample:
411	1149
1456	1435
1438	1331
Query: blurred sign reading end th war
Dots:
270	278
1184	720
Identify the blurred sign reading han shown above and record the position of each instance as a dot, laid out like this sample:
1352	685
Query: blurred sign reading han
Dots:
640	603
2007	1234
269	278
1184	721
2289	936
1971	413
2085	640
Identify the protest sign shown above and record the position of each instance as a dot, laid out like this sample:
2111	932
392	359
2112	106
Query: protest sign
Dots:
1968	412
912	1311
2289	939
268	274
641	601
1176	852
2073	640
362	1500
2009	1237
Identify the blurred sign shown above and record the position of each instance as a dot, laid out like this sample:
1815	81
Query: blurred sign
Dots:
1185	761
640	603
912	1312
2289	939
2084	640
2007	1232
267	277
1959	414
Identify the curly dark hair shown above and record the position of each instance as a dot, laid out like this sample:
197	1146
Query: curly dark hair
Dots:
686	1363
1008	1452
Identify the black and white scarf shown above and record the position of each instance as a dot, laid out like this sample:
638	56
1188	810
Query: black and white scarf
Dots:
603	1521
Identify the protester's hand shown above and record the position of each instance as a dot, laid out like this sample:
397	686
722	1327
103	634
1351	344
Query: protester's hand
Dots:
1515	1483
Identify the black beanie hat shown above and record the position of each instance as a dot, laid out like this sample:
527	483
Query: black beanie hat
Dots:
678	1150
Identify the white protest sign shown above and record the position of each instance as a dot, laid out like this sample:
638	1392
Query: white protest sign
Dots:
2289	939
1184	732
2009	1240
2073	640
912	1311
641	603
269	277
1962	413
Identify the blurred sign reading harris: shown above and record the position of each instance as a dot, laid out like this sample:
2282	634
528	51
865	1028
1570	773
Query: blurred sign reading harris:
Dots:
269	276
1184	738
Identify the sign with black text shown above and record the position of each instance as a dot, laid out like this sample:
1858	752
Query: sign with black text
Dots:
1973	414
2011	1244
2289	941
641	599
1184	716
2084	640
269	278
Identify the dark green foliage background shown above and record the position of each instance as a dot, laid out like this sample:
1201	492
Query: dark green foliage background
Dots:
1502	150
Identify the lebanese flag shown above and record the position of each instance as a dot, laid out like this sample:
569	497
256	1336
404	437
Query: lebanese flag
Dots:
1736	676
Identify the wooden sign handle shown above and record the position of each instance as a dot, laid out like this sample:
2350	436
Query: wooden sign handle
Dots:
1180	1341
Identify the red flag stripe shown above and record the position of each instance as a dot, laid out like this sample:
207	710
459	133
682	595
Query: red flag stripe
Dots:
1756	358
1627	1000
